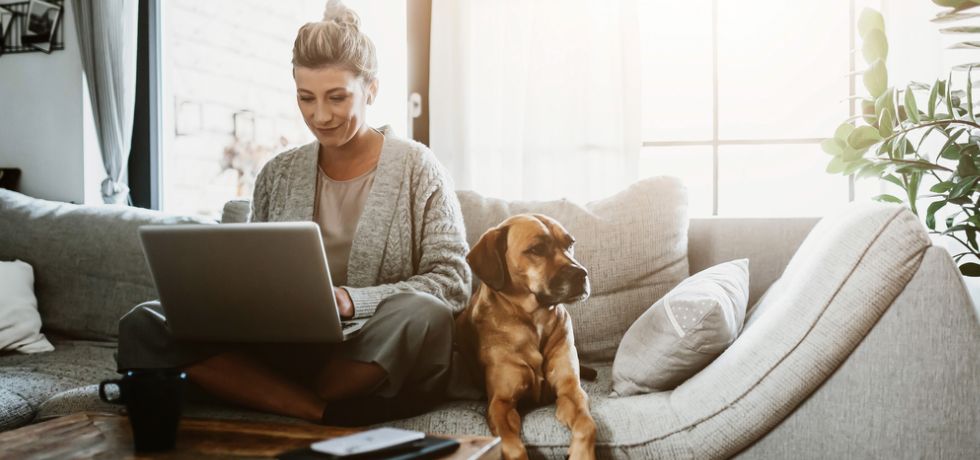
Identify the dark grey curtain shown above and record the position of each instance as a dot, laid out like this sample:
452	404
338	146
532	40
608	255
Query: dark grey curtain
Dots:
107	39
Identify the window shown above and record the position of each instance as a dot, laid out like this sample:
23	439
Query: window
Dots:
737	97
228	98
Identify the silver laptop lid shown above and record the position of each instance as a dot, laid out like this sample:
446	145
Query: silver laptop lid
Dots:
256	282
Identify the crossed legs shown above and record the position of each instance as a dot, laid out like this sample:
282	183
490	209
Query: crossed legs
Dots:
238	379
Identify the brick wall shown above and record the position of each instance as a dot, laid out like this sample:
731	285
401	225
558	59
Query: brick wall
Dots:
227	85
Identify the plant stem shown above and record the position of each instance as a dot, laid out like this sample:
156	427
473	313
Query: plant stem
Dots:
968	247
932	123
922	162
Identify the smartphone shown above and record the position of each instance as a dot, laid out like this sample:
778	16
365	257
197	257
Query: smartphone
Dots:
366	441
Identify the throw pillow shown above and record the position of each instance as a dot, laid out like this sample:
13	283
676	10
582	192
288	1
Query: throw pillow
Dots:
20	323
684	331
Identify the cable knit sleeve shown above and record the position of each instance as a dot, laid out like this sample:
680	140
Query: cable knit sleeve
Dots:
260	196
442	268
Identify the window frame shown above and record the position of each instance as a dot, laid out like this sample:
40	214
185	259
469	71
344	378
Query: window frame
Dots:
715	142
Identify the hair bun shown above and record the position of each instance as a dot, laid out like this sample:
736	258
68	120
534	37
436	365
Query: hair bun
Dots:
337	12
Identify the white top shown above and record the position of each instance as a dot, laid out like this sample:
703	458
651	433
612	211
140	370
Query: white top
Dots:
338	208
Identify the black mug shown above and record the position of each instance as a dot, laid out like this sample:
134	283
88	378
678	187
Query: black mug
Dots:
153	400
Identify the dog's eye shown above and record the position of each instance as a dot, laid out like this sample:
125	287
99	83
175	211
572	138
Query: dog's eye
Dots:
537	249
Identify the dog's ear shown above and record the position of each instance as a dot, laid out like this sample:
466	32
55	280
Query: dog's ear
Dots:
487	258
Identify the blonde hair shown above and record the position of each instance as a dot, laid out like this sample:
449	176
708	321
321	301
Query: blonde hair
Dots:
336	40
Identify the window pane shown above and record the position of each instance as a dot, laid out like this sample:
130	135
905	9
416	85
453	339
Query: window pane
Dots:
229	100
782	68
676	70
692	164
777	180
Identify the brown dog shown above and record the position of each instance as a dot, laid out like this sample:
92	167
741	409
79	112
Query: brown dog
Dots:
520	334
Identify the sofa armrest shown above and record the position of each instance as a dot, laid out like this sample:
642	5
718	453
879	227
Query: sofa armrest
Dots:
768	243
910	389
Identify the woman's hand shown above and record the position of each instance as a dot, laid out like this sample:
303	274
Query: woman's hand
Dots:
344	304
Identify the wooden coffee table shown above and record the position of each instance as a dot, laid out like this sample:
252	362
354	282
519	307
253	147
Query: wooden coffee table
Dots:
97	435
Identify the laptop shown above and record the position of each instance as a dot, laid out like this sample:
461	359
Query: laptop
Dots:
255	282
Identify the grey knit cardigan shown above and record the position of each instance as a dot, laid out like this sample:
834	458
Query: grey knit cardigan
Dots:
410	235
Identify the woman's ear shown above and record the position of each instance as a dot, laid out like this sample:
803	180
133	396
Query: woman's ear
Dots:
372	91
487	258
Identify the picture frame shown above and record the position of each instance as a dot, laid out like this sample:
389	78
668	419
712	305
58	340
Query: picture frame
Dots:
6	22
41	23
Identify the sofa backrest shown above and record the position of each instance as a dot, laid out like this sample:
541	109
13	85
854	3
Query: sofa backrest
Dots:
89	268
768	243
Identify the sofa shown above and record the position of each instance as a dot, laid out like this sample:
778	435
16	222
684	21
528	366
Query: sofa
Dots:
860	341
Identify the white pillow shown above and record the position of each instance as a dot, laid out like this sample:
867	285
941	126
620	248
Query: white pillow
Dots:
684	331
20	323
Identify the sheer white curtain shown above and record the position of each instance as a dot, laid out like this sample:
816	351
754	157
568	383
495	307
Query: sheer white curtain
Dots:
107	40
536	99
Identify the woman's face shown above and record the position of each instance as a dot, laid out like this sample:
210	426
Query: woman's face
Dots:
333	101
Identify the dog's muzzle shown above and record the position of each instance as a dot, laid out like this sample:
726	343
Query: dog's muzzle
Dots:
570	284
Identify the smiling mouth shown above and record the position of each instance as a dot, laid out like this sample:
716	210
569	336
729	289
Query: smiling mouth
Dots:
329	129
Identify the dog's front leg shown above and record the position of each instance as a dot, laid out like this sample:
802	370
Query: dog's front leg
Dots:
572	404
505	387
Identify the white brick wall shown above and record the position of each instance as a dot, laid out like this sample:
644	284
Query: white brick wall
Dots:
226	56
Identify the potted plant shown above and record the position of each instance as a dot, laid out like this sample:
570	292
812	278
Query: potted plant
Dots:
887	139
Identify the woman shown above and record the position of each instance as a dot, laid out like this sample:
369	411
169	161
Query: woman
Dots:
396	247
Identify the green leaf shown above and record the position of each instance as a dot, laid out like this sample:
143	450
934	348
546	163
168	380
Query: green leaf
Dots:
850	154
872	170
941	187
870	20
955	228
910	108
971	237
964	187
885	124
950	150
913	190
835	166
965	167
875	46
933	94
852	167
886	198
891	178
863	136
960	30
949	96
876	78
969	94
950	16
931	213
833	146
971	269
843	131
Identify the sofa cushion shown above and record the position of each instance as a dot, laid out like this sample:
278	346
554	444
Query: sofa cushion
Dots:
686	329
26	381
88	265
634	245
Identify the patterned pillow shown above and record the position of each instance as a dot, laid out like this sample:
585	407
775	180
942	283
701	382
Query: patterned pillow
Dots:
684	331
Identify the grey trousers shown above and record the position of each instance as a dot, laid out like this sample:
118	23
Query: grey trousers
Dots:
410	336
